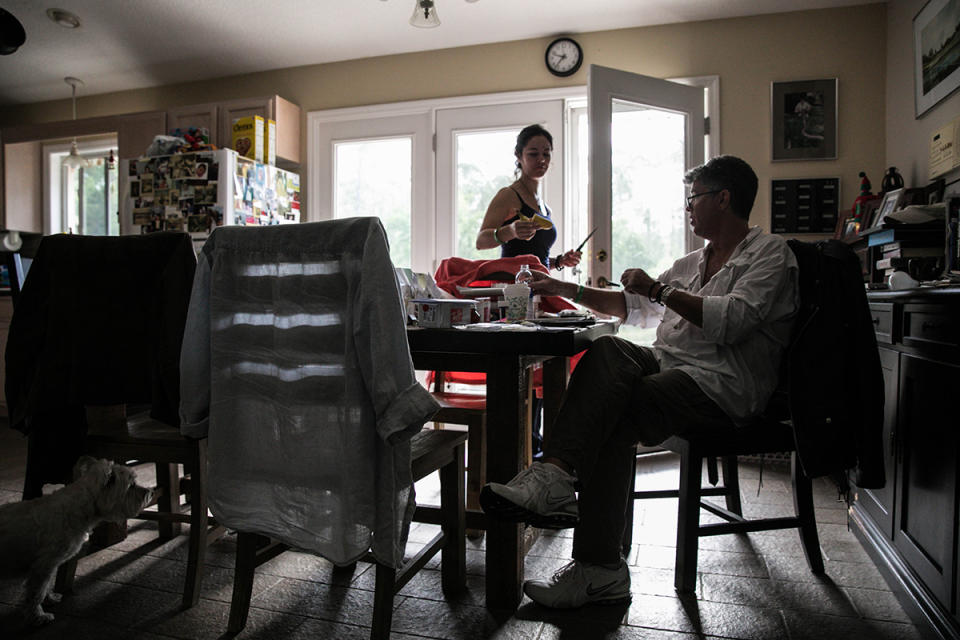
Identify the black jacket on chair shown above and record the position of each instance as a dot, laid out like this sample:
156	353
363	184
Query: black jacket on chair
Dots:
99	321
834	375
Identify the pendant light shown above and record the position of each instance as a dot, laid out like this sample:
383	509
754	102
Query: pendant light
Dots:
424	14
74	160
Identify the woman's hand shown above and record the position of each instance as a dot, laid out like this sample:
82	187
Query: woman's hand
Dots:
569	259
636	281
519	229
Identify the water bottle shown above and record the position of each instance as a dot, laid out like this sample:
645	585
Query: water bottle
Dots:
524	276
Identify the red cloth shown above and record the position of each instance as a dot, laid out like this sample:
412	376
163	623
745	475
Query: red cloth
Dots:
460	272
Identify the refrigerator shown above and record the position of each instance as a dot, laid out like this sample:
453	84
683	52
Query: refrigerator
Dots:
198	191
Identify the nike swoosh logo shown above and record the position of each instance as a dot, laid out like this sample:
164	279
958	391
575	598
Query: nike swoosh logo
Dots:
592	591
556	499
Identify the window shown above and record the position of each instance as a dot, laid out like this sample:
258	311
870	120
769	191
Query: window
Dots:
376	162
374	178
82	200
429	169
483	168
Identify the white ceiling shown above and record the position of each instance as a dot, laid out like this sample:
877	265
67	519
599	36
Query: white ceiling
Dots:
129	44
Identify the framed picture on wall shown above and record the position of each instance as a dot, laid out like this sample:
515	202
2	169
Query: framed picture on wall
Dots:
803	117
936	53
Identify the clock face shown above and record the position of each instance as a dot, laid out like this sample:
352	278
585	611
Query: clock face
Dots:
564	57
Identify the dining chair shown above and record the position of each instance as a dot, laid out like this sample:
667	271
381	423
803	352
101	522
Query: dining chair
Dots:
831	426
93	367
295	349
766	436
470	410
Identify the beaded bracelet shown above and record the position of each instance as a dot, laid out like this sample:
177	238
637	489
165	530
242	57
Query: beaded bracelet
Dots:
579	295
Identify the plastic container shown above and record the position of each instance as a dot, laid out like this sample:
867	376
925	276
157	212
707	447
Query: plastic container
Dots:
524	276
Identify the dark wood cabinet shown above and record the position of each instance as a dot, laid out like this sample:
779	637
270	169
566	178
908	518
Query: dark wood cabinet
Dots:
926	488
911	526
879	502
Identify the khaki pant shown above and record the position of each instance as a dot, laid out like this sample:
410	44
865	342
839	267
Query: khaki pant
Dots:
618	397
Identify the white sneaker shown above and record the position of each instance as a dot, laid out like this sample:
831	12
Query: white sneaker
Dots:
580	583
541	495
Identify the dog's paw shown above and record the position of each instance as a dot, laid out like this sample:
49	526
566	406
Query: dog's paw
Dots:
39	618
53	598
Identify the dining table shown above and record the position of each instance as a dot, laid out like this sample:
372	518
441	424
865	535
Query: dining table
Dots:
506	356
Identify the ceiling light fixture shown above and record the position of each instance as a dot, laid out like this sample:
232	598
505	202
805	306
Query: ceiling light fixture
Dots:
74	160
12	35
425	14
64	18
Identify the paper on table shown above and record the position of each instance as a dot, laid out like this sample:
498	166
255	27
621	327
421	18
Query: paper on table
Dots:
918	214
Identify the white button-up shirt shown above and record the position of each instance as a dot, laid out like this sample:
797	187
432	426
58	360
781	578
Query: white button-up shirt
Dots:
748	311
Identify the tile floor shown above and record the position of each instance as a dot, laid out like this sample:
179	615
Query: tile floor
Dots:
751	587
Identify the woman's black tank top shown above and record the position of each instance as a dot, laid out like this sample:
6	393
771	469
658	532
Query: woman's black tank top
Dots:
541	242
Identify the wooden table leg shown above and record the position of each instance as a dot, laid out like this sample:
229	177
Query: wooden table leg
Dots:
506	392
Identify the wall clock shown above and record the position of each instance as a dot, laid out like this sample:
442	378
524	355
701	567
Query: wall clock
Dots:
563	57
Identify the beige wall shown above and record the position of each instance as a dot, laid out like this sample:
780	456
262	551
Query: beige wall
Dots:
746	53
908	138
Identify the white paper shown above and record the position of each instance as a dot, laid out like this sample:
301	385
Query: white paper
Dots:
918	214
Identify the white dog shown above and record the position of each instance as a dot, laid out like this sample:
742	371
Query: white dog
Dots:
37	536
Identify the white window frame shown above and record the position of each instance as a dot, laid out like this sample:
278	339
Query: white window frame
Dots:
322	126
54	181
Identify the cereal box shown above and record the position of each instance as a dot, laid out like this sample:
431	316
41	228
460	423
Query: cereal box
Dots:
248	137
270	143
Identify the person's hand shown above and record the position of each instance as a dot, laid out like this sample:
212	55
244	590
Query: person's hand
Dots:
523	230
545	285
569	259
636	281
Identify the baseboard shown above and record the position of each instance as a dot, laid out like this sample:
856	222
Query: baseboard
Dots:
933	620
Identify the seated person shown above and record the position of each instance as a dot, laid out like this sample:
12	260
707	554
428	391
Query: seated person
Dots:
727	311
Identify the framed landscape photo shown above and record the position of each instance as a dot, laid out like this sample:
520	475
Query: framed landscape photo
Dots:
803	117
936	53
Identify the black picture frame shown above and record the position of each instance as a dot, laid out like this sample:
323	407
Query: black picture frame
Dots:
889	204
933	192
935	32
803	116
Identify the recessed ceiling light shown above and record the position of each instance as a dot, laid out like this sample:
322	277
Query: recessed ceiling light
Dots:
63	18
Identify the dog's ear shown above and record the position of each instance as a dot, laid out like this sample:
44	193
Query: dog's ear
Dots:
83	465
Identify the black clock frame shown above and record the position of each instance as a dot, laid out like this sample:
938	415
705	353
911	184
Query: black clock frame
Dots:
576	67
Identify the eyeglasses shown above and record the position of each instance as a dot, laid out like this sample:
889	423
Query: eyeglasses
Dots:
694	196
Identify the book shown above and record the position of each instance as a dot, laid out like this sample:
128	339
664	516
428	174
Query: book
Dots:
911	252
923	234
891	263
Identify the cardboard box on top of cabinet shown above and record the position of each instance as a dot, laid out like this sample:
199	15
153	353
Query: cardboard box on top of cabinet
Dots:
270	143
248	137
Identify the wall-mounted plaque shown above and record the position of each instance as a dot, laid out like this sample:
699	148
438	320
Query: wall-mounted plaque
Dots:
808	205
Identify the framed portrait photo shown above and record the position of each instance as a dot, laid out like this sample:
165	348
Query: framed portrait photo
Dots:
936	61
803	117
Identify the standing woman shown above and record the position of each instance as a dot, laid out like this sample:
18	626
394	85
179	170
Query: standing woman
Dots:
502	225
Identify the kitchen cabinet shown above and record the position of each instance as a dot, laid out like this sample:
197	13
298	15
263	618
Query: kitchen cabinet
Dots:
283	112
218	117
199	116
911	527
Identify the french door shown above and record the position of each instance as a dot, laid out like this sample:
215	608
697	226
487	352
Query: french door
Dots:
645	133
475	159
